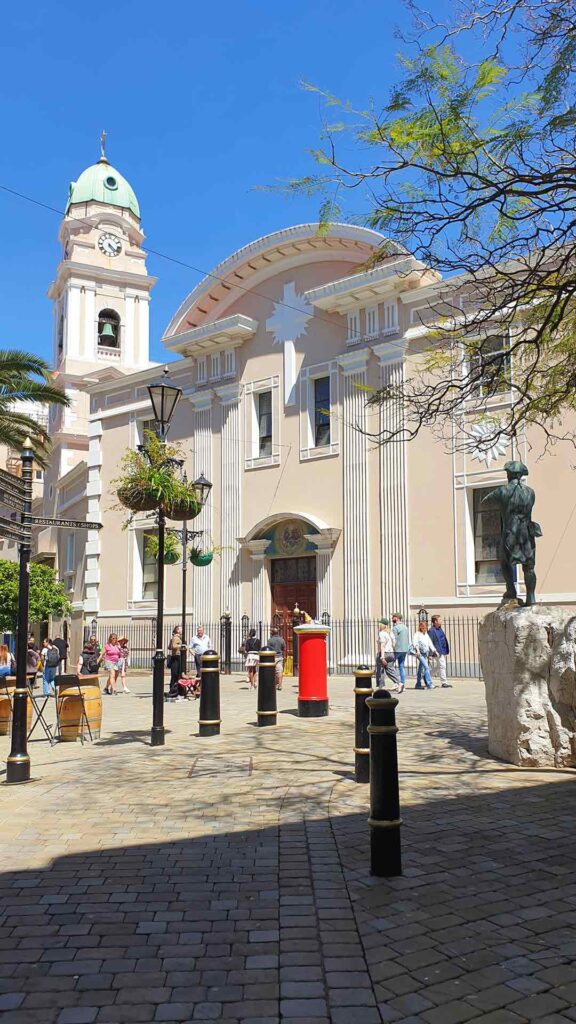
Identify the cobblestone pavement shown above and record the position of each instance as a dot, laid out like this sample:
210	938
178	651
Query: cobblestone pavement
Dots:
227	878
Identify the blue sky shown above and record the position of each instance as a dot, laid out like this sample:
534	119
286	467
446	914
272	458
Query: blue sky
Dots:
201	104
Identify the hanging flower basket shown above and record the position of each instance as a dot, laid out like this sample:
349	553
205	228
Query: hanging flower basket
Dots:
184	504
201	557
172	549
136	497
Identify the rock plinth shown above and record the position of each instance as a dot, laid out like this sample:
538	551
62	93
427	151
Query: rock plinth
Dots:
529	668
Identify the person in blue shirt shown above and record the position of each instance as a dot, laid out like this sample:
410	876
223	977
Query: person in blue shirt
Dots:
442	647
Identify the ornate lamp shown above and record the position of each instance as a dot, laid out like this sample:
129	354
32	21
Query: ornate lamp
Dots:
164	397
202	487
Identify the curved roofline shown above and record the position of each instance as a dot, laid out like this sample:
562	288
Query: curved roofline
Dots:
261	245
278	517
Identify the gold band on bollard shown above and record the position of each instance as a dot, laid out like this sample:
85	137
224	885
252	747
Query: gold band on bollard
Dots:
266	712
209	669
361	750
361	689
383	702
212	721
395	823
364	672
382	728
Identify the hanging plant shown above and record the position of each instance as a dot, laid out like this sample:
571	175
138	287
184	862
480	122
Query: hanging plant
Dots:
147	482
203	556
172	549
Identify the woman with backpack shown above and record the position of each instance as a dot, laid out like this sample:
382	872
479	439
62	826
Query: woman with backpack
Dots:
251	648
50	660
89	660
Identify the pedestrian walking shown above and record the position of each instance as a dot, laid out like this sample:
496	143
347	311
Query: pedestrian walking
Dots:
201	643
50	656
385	659
123	662
424	649
401	646
7	664
442	648
174	661
111	659
32	662
63	648
88	662
276	642
252	651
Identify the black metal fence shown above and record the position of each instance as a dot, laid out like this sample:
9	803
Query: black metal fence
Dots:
349	643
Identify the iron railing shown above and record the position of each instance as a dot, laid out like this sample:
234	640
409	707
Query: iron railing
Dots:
349	643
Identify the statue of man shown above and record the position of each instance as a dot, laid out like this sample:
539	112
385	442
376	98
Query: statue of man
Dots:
517	541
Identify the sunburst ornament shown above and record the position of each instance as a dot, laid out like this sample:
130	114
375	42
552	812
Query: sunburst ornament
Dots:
288	322
483	453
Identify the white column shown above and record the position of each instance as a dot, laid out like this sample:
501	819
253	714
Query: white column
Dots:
89	338
355	531
395	594
325	542
202	576
94	492
230	500
260	605
142	351
127	338
73	324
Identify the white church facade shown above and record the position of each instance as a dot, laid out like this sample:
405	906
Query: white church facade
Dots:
273	352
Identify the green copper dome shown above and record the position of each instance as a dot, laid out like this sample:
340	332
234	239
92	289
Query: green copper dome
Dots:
102	183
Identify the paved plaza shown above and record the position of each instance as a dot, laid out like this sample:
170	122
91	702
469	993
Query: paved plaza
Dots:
226	878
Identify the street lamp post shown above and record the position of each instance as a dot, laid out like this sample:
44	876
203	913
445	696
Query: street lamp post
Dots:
164	397
186	536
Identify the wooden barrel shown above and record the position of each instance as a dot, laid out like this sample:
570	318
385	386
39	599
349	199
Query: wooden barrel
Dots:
73	691
6	695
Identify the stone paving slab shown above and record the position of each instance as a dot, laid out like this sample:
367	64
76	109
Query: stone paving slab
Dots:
226	878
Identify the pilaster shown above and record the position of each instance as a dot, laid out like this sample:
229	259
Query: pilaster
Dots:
259	610
202	432
393	491
230	499
355	532
325	541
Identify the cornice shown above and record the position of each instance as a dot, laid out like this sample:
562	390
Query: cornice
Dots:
229	393
391	351
201	399
354	362
229	331
69	269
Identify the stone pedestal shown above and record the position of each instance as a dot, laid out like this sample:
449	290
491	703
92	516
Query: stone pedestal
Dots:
528	663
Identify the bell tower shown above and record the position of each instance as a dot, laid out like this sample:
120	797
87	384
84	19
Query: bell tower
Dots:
102	288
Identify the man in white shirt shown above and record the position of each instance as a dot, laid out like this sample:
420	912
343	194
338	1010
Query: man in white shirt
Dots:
386	661
200	643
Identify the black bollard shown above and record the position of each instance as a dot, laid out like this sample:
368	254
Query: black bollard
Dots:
267	711
384	820
209	720
362	690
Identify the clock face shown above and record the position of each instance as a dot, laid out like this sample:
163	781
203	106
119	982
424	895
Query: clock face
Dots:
109	244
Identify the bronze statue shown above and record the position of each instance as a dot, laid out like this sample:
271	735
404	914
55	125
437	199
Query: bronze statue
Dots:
517	541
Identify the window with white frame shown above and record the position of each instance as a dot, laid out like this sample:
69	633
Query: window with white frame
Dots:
318	422
321	412
390	320
145	427
486	531
264	414
70	552
489	365
149	569
372	321
354	326
201	370
262	411
38	474
230	362
215	366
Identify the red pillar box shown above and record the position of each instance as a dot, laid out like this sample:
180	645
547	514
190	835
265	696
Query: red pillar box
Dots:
312	670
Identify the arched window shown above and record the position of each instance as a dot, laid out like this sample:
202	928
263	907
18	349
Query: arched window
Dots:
108	329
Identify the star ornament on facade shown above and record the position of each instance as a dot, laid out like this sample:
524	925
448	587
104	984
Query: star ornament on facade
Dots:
494	451
289	321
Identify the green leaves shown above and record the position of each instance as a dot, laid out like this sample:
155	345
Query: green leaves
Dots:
47	594
26	378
